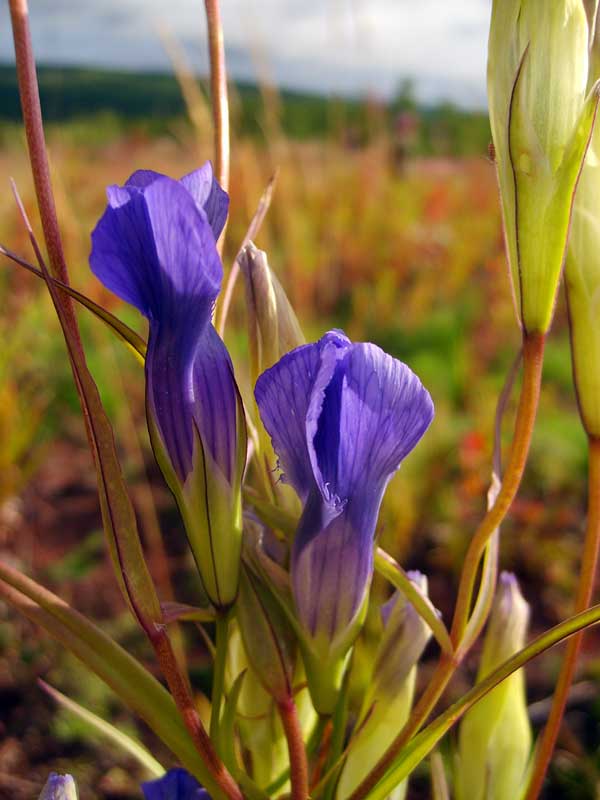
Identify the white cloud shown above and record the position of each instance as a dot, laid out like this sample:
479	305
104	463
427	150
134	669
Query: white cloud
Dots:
325	45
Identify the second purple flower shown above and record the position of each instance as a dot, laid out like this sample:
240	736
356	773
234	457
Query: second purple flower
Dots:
342	417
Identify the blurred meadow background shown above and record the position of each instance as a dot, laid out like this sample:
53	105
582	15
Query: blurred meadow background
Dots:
384	222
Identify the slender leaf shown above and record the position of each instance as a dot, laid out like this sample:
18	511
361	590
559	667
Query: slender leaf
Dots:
133	684
181	612
128	335
117	512
108	731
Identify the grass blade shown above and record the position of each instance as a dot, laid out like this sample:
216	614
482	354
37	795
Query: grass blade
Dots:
107	731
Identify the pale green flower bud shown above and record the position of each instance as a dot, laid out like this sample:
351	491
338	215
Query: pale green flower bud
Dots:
389	698
582	280
273	328
59	787
541	123
495	735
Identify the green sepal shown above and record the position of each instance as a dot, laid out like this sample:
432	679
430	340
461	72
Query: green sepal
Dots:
211	509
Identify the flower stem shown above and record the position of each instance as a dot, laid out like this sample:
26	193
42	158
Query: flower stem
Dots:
180	690
297	752
222	638
218	90
533	355
36	143
589	563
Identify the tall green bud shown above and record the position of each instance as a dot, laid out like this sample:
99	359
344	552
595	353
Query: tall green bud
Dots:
541	116
582	280
389	698
495	735
273	328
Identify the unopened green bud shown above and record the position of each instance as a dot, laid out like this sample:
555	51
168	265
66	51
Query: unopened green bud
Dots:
389	698
541	118
495	735
59	787
582	280
273	328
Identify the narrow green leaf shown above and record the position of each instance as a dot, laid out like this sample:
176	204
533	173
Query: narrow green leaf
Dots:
422	744
181	612
117	512
100	726
227	726
128	335
393	572
133	684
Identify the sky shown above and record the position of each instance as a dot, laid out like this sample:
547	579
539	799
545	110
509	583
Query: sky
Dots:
328	46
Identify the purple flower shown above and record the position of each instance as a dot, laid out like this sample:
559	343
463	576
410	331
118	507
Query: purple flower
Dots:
176	784
155	247
341	417
59	787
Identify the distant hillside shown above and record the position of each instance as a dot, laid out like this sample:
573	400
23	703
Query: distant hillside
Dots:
153	99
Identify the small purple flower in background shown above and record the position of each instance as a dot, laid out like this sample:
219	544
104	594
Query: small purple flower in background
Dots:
341	417
59	787
176	784
155	247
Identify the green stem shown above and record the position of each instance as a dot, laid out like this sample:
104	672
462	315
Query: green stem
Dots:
218	685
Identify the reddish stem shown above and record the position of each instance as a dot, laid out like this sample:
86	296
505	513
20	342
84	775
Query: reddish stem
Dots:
218	90
297	752
180	691
589	564
36	143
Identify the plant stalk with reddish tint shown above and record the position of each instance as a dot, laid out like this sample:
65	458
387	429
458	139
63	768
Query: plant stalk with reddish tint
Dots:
589	564
297	752
36	143
218	89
